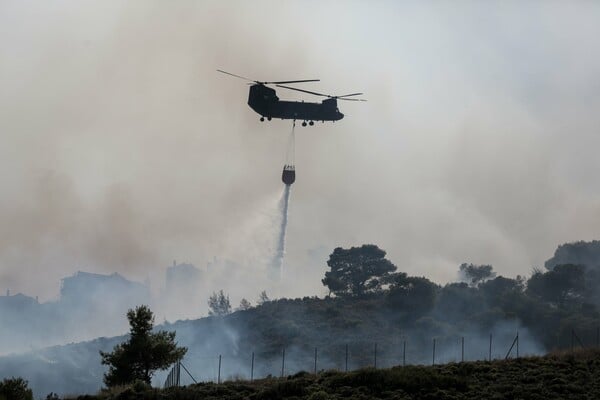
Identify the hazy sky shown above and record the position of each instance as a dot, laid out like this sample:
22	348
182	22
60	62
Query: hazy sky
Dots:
121	147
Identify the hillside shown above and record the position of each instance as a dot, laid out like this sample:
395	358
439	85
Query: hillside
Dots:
298	326
558	376
394	319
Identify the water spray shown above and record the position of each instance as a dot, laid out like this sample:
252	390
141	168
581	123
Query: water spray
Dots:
284	206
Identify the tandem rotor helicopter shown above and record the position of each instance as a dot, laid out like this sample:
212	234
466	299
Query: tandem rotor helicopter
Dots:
264	101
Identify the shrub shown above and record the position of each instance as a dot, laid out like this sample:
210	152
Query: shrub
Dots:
140	386
320	395
15	389
296	387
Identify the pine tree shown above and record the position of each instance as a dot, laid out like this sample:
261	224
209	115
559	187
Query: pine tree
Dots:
219	304
144	353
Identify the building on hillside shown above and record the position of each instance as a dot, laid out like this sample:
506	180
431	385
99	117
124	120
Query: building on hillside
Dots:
183	277
85	287
17	302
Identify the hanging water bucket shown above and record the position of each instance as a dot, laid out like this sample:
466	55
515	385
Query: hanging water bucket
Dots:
288	176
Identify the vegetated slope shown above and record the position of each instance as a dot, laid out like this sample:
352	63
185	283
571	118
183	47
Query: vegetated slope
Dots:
550	310
299	326
558	376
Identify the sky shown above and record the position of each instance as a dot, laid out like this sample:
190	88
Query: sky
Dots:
122	149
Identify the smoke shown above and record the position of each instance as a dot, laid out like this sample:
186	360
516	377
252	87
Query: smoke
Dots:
122	149
344	334
118	143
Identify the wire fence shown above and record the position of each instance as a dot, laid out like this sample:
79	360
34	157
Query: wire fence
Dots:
352	356
342	357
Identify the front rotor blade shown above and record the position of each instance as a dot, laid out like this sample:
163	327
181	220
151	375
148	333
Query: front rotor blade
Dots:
303	80
237	76
302	90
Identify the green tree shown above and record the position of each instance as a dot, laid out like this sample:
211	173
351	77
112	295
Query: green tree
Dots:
458	300
410	294
579	253
219	304
564	283
263	298
357	270
475	274
501	291
244	305
15	389
144	353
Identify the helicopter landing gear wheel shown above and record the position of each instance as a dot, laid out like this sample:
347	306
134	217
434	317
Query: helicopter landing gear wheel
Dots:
262	119
311	123
268	118
304	123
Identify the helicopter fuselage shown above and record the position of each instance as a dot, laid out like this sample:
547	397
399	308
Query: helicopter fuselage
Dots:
265	102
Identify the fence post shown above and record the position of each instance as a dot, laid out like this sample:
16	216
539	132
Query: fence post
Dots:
462	349
346	357
188	372
572	339
168	380
219	374
490	352
283	362
515	341
574	335
375	363
517	344
178	373
315	360
404	354
433	360
252	368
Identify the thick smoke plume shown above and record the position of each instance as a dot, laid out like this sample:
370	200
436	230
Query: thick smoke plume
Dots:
122	148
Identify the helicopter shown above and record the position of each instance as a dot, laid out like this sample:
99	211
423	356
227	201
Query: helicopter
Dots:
265	102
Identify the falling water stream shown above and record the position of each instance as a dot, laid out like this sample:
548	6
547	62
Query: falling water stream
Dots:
284	203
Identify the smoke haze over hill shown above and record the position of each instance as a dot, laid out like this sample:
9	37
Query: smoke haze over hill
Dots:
122	148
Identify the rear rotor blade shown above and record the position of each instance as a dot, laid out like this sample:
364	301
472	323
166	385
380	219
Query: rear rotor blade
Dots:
302	90
237	76
351	99
348	95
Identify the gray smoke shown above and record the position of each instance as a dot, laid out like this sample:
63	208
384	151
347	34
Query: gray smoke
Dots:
122	148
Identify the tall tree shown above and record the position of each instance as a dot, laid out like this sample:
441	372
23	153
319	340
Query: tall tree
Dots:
263	298
219	304
357	270
475	274
144	353
410	294
565	283
244	305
